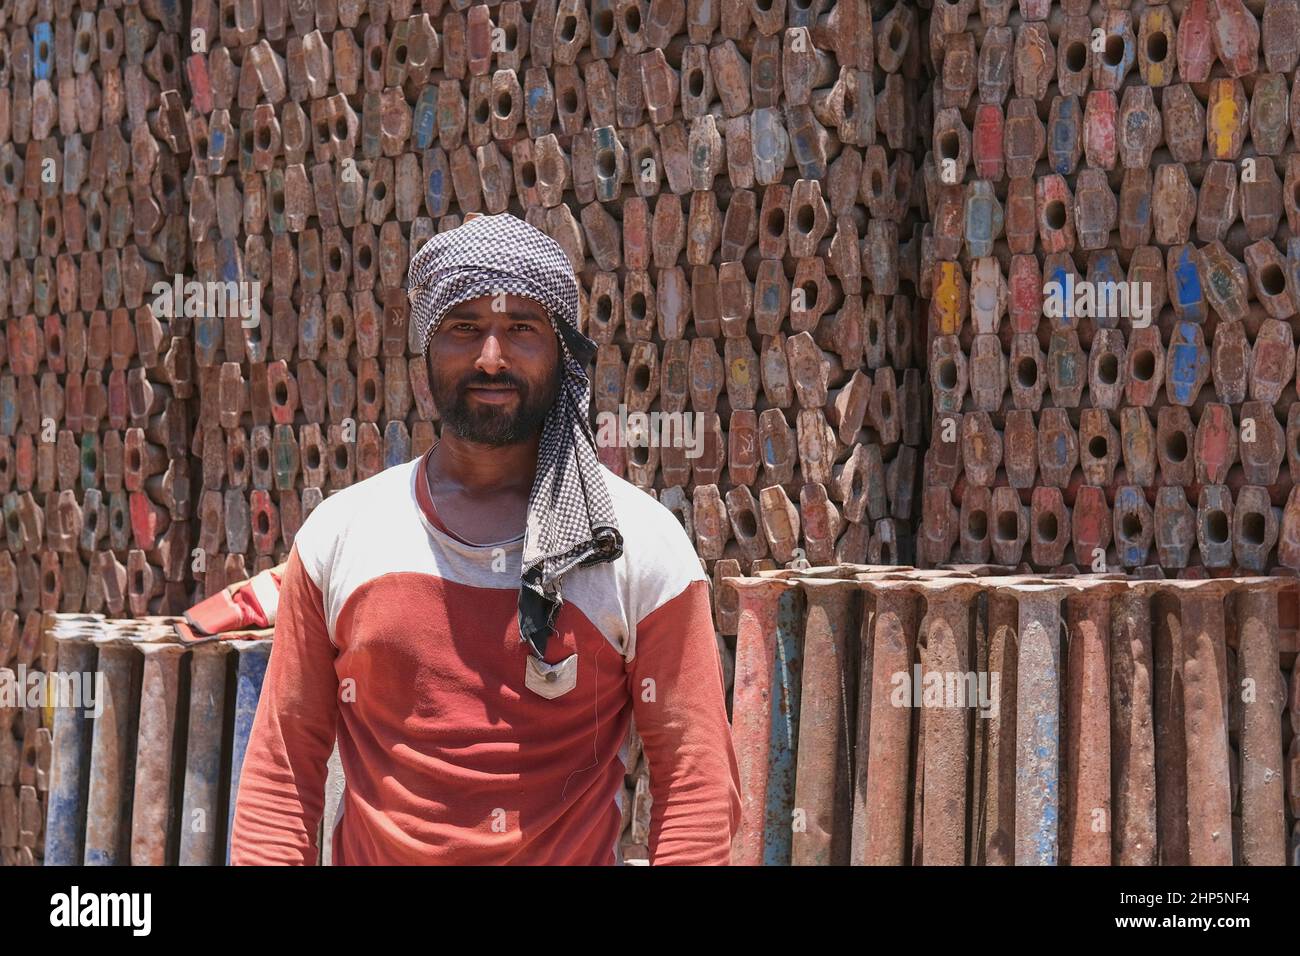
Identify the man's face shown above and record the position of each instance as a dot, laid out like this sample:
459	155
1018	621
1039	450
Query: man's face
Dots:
494	369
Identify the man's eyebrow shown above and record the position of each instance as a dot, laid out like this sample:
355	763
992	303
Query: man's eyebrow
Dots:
536	313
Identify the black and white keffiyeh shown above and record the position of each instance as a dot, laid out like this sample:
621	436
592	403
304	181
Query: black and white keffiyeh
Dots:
571	520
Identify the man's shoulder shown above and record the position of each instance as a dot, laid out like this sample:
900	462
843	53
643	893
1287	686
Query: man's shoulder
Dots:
652	534
366	504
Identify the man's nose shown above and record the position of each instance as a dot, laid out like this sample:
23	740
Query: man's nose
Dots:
490	359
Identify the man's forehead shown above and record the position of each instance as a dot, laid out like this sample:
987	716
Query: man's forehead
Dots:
504	303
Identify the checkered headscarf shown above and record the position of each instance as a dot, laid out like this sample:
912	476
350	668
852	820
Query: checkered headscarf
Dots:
571	520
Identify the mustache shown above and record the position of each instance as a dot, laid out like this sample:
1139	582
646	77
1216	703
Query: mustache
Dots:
497	382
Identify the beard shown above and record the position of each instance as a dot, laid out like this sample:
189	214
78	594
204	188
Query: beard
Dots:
496	425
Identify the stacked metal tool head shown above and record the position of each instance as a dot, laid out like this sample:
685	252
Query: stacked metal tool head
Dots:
1113	285
95	388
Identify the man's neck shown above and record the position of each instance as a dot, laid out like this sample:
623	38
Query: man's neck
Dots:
474	470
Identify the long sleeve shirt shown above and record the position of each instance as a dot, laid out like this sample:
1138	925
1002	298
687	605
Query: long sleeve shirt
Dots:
403	641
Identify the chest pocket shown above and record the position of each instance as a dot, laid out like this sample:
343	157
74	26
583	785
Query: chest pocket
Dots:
551	680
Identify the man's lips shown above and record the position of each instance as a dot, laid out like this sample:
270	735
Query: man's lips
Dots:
492	393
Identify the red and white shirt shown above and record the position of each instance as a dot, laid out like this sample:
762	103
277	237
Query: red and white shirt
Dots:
404	641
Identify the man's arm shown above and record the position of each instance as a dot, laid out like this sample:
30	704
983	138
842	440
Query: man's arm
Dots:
680	711
282	783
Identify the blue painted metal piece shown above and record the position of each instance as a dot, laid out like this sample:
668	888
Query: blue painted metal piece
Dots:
228	264
426	117
1038	726
802	13
806	157
1143	211
42	51
783	744
169	14
535	97
1065	361
1293	261
65	816
1186	358
1128	500
1063	279
1063	137
1188	299
216	147
8	405
397	443
253	658
983	218
204	770
209	333
1106	279
1104	267
436	185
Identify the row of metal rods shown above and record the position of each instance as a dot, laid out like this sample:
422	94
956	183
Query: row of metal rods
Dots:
1098	731
151	780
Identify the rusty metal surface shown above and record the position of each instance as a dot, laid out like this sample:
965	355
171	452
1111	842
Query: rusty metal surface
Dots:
160	744
1101	744
824	771
753	706
1087	812
113	756
1205	679
947	728
1263	809
251	669
204	795
880	809
1040	671
65	820
1132	729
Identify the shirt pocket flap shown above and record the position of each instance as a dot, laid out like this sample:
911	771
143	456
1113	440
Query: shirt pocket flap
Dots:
551	680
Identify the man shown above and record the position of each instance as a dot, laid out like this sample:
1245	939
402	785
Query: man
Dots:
480	625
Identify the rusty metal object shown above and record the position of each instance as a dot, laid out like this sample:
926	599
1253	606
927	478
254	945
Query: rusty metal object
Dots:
880	809
765	709
996	832
113	754
1204	680
159	748
65	821
1087	818
200	817
947	728
1263	817
1133	743
1039	678
1167	640
824	761
251	668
